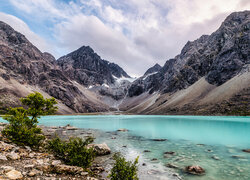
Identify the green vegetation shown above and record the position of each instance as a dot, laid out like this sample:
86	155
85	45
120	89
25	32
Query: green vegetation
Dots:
22	128
124	170
73	152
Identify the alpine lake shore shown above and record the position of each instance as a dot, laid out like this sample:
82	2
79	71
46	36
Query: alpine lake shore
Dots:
17	162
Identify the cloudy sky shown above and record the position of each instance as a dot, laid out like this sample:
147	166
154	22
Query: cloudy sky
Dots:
135	34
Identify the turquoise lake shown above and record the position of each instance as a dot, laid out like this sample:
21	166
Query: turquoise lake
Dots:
213	142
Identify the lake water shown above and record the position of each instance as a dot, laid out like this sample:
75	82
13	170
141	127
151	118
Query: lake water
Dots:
213	142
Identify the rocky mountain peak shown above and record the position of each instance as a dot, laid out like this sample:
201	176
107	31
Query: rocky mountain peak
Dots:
87	68
153	69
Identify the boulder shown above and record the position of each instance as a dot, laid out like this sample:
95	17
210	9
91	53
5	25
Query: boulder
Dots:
7	168
14	174
195	170
13	156
100	149
56	162
3	157
6	147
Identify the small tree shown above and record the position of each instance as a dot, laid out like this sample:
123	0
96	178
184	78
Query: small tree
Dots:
22	128
73	152
124	170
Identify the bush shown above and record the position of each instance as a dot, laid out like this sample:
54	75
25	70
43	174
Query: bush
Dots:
124	170
73	152
22	128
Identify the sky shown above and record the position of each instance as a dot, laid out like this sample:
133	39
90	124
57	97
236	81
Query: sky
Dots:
135	34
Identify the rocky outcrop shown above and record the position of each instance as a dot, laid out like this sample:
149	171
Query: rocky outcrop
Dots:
217	57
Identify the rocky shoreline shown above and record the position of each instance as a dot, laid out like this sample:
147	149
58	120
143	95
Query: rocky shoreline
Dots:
18	162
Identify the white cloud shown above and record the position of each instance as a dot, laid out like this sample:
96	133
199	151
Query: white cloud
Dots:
133	33
23	28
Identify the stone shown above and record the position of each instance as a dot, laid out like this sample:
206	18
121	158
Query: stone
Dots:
195	170
159	139
7	168
146	151
29	166
6	147
68	169
144	164
56	162
13	156
122	130
215	158
169	153
34	172
246	150
3	157
171	166
14	174
100	149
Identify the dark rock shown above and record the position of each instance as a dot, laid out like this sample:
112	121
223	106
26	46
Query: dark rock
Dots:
171	166
144	164
169	153
146	151
195	170
159	139
246	150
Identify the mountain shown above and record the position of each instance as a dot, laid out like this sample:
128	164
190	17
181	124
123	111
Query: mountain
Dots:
211	75
25	69
206	77
87	68
153	69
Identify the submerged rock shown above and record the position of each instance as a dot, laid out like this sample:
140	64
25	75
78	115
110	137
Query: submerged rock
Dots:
159	139
146	151
195	170
246	150
171	166
170	152
122	130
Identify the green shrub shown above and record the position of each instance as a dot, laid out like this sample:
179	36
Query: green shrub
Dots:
22	128
124	170
73	152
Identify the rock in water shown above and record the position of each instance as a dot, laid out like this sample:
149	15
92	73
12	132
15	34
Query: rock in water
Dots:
195	170
14	174
100	149
246	150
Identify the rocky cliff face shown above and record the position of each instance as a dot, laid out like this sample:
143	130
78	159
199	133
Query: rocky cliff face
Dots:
23	63
217	57
87	68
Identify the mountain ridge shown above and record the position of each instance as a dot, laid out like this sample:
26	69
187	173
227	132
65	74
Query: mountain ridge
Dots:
207	77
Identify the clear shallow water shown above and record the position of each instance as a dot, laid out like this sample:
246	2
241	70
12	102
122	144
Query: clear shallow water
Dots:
215	143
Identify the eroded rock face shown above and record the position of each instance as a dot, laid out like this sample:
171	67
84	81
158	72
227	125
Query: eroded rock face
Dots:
217	57
22	61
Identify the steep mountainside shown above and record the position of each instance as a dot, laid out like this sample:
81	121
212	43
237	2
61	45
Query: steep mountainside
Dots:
213	59
24	69
87	68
